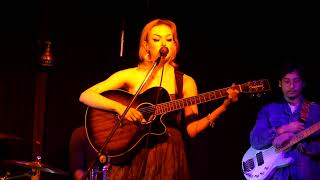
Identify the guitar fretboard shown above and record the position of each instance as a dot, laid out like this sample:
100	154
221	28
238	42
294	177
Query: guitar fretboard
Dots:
201	98
301	135
249	87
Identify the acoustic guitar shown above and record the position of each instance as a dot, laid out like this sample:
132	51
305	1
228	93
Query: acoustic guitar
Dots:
127	138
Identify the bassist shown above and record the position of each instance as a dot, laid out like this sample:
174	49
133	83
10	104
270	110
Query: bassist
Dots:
278	122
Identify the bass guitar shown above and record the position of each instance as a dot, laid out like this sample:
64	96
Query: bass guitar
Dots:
99	123
261	164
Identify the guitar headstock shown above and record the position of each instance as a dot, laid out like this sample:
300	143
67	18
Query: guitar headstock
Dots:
255	87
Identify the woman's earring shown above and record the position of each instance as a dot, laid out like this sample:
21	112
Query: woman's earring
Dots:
147	55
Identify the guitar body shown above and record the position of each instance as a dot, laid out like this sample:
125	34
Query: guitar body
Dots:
260	164
129	135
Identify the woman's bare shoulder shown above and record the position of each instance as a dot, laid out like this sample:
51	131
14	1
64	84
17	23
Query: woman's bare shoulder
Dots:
125	72
188	79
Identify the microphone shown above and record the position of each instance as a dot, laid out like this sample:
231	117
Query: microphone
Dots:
163	53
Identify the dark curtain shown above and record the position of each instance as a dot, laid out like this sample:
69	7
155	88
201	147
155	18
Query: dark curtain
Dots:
85	42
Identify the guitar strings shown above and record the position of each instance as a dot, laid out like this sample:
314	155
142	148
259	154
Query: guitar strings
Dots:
217	94
177	103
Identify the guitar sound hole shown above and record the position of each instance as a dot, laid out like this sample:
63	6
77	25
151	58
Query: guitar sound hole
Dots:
149	120
147	110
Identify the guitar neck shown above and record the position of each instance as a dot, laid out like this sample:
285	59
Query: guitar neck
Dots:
201	98
301	135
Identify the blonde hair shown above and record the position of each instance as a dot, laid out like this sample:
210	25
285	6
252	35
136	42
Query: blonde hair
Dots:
144	38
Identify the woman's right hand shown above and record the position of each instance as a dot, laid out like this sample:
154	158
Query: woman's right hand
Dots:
132	115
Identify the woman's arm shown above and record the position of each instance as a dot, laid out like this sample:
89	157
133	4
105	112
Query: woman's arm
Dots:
92	96
195	127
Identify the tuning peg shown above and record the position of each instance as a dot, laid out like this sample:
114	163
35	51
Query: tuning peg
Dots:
256	95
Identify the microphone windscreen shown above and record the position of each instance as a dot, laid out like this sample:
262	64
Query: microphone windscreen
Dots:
164	51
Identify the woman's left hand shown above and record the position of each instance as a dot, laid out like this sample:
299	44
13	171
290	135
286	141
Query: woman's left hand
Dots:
232	96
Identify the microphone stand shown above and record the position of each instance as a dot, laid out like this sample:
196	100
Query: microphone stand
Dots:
102	158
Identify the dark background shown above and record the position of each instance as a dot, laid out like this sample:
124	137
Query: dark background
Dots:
220	45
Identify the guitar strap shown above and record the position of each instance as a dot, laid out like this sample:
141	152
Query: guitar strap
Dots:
305	110
179	83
